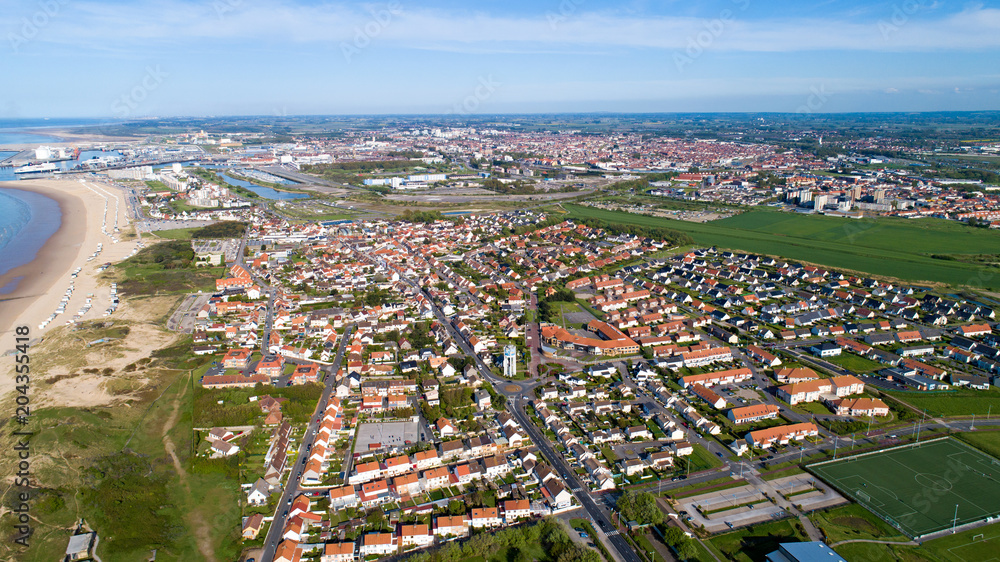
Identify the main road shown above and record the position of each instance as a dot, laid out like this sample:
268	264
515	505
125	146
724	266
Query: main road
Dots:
293	487
598	514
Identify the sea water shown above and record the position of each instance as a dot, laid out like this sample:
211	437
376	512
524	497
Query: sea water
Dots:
27	221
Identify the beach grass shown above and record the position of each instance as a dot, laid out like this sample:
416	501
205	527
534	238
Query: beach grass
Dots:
70	440
122	398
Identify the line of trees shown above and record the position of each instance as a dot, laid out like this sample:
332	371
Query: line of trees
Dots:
229	229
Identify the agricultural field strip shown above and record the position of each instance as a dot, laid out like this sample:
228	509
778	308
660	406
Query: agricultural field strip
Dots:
855	254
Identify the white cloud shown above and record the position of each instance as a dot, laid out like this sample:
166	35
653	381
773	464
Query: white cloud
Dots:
149	23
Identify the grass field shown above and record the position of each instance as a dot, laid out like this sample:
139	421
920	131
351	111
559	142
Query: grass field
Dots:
702	459
853	522
916	489
988	441
855	363
175	234
887	247
756	542
166	267
953	403
974	545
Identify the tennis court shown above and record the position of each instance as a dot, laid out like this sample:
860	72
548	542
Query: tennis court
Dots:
920	488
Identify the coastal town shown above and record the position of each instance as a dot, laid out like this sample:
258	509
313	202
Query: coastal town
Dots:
563	281
453	165
450	384
377	381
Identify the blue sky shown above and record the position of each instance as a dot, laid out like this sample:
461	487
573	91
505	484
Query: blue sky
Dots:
110	59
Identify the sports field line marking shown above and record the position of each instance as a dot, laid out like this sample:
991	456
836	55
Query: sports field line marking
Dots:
976	461
880	508
883	489
980	464
973	541
982	512
850	483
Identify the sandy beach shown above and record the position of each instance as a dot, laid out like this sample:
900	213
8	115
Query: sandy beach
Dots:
90	212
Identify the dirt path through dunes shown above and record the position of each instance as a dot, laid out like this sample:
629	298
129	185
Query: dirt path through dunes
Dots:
195	520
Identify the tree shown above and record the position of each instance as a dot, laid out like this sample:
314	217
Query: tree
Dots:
640	507
499	402
673	535
686	550
376	519
684	546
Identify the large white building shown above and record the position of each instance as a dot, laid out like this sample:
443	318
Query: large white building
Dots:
134	173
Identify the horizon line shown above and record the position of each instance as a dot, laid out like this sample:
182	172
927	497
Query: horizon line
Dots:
508	114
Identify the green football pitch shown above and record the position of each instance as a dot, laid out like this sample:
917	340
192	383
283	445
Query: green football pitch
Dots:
919	488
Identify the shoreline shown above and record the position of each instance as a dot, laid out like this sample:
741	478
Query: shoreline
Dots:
61	135
45	219
85	207
53	261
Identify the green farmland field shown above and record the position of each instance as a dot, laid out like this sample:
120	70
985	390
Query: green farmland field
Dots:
885	247
959	402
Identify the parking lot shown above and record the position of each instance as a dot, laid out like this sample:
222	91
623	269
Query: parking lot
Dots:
386	434
727	509
227	248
